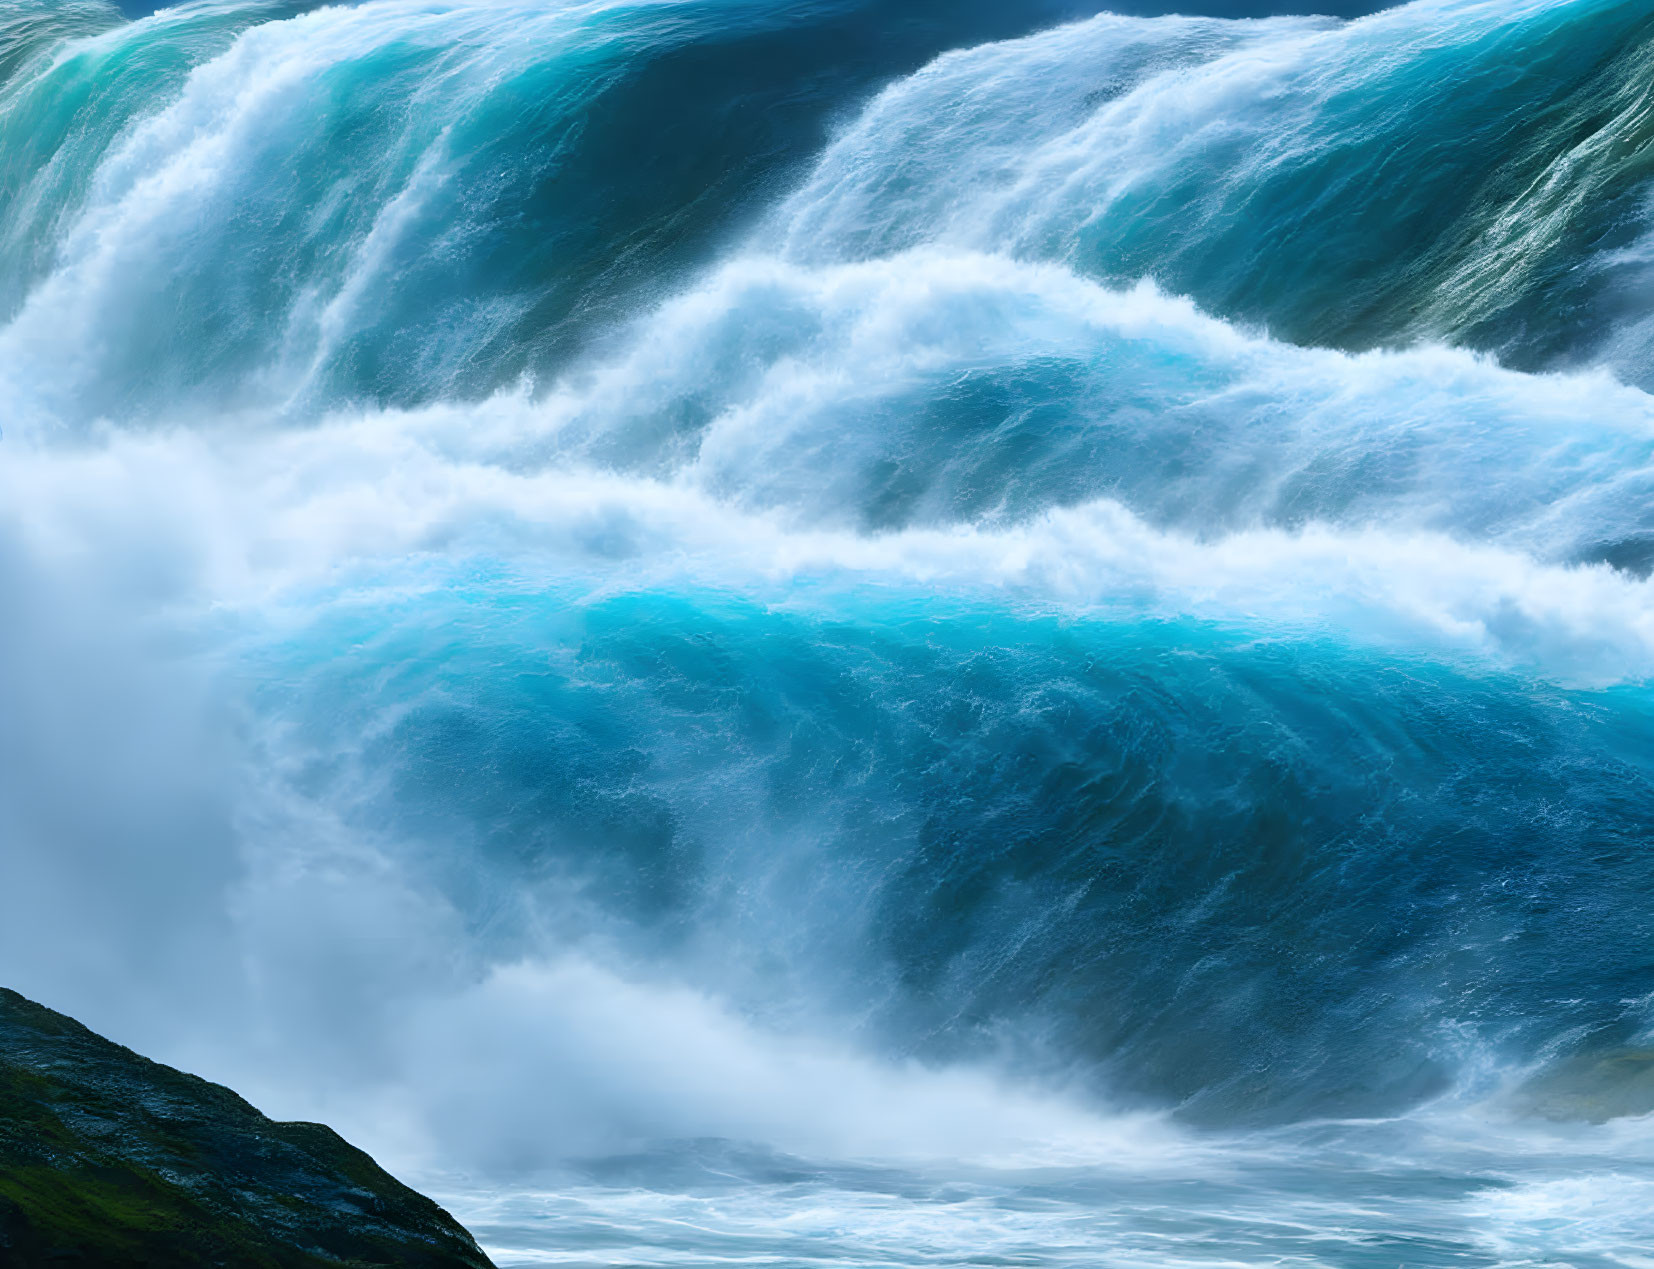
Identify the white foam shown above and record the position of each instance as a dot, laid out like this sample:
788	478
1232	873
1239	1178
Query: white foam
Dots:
1465	546
1604	1215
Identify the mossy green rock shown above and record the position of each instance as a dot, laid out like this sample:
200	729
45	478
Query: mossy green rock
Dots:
109	1159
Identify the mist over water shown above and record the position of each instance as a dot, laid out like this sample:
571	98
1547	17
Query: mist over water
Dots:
861	632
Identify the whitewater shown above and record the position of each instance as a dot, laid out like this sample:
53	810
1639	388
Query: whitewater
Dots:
852	632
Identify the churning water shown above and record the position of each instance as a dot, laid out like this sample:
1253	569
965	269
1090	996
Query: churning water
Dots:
852	632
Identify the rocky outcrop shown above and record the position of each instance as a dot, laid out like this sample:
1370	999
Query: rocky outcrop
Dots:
109	1159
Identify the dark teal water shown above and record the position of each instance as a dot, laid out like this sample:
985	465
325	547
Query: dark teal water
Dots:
859	632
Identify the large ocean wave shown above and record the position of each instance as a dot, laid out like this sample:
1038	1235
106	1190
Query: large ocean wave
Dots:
954	619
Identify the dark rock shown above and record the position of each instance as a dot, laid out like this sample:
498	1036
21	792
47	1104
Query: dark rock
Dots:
109	1159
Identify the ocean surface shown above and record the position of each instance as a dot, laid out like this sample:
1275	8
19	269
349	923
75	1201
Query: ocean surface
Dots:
853	633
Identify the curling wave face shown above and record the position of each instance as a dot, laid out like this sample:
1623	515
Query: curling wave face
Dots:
1472	173
604	579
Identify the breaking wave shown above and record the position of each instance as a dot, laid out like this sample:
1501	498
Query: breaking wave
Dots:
711	584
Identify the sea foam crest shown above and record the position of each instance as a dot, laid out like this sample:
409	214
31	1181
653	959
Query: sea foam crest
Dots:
780	422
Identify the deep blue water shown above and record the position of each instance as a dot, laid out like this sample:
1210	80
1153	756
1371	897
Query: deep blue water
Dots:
852	632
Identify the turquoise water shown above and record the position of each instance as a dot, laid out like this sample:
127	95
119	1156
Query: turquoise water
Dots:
853	632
